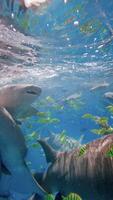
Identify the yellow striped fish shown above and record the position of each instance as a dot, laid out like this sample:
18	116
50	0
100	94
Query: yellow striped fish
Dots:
72	196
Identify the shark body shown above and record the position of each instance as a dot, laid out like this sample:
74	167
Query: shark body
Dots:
89	175
12	153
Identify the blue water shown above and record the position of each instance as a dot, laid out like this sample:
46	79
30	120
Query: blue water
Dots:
66	50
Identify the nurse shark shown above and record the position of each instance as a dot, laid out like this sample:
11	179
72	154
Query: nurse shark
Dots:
17	99
13	152
90	174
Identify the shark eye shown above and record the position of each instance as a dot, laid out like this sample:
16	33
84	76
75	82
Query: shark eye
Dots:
31	92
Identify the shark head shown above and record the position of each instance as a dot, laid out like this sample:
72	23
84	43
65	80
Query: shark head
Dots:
19	95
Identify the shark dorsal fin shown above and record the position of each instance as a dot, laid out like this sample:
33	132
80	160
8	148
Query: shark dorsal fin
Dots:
50	153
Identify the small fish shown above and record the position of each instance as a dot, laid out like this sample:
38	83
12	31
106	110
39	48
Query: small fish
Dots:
41	114
73	96
110	108
35	145
63	142
72	196
32	136
110	152
50	99
109	95
48	120
90	26
82	150
89	116
99	86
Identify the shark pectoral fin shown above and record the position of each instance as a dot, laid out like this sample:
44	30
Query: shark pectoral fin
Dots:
5	170
50	153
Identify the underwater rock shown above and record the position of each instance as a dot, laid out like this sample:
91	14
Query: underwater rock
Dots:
99	86
13	152
109	95
17	99
87	171
63	142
